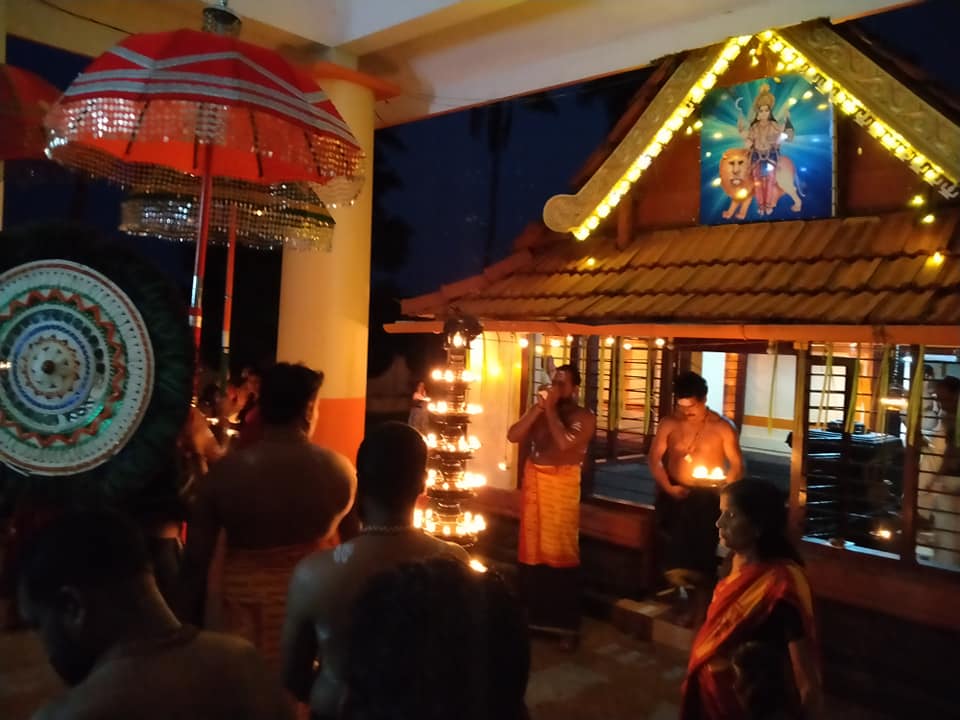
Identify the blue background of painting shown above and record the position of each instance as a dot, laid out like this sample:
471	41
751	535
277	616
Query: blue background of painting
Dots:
811	150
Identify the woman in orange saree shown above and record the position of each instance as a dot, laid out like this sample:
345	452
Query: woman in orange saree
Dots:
765	599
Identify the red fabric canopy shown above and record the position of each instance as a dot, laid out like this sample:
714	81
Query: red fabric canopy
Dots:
158	98
24	100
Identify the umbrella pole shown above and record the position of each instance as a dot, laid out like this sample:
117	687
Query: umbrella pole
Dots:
228	296
200	258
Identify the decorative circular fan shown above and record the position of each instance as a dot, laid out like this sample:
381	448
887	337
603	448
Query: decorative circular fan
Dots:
95	365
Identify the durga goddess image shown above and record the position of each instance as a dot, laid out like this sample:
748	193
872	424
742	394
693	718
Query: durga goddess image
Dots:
773	175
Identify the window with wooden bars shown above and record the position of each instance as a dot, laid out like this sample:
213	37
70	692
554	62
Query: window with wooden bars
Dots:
936	381
880	452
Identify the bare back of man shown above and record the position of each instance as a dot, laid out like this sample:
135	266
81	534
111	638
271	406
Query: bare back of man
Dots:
197	675
282	491
325	586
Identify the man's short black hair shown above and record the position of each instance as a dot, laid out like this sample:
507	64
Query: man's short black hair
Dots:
572	371
83	548
391	465
437	640
690	385
286	391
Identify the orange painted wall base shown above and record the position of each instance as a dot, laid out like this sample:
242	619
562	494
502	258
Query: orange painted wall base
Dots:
340	425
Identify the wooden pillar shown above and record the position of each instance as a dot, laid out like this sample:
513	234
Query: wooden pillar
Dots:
526	381
668	373
798	480
911	466
591	399
614	398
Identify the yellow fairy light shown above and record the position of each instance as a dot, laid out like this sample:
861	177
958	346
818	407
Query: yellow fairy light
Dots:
741	194
581	233
538	350
675	123
603	210
849	107
609	341
720	66
754	61
689	130
622	187
644	162
592	222
930	175
918	161
664	136
929	219
730	52
627	346
716	182
698	124
717	135
936	259
569	338
613	199
780	67
822	106
808	94
697	93
659	342
840	97
555	343
889	141
877	129
708	81
591	261
827	85
792	101
766	35
776	46
653	149
788	54
741	41
523	342
918	201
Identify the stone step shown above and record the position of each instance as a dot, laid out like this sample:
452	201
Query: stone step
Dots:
652	621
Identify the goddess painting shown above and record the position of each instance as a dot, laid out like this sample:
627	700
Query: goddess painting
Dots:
773	174
759	145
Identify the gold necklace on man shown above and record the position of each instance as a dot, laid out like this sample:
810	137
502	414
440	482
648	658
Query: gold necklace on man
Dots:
688	457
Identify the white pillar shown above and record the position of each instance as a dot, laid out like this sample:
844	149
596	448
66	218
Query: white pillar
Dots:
324	297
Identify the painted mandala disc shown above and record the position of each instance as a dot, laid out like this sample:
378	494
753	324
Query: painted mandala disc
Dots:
76	368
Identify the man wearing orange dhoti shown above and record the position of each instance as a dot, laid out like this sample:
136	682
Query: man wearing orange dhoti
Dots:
276	501
558	431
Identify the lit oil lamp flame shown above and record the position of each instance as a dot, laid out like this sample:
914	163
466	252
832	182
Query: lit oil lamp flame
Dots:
700	472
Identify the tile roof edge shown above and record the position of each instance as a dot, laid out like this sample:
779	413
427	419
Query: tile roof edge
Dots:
422	305
510	264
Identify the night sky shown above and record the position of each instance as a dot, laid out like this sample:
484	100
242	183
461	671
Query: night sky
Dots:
445	175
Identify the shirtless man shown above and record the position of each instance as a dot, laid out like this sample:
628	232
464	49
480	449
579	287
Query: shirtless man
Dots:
559	432
391	468
693	442
85	584
277	501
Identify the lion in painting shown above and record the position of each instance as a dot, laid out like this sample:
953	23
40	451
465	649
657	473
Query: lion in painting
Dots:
737	182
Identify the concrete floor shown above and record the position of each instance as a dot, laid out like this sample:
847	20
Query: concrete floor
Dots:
613	676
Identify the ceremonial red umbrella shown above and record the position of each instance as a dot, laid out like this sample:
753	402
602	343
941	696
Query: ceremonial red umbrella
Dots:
25	99
208	105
